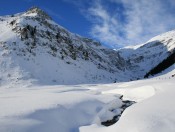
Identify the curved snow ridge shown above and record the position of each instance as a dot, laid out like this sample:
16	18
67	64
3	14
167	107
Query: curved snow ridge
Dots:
154	112
59	108
140	93
135	94
169	34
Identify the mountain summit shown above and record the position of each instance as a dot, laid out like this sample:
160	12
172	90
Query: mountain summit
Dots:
40	51
39	12
36	50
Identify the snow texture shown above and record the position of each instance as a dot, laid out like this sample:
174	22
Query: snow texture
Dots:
38	57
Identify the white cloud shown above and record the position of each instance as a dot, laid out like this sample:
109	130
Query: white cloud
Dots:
105	27
144	20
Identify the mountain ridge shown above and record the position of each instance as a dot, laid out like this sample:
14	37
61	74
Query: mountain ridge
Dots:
39	51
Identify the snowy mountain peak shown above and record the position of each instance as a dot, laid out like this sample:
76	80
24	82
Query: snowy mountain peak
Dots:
42	51
39	12
35	49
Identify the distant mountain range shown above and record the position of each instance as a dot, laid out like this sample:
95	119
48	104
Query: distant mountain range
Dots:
36	50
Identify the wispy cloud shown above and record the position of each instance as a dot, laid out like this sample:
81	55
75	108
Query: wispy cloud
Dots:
106	28
146	19
129	22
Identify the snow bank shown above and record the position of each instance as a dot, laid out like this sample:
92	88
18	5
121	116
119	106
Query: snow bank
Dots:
59	108
153	112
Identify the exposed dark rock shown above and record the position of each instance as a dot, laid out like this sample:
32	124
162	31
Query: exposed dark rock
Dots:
126	104
162	66
40	12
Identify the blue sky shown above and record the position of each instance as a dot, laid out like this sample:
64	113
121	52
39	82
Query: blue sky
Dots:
115	23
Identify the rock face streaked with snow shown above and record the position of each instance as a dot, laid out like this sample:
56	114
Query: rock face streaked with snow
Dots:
36	50
145	57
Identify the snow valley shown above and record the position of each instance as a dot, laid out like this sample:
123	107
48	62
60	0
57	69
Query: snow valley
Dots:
52	80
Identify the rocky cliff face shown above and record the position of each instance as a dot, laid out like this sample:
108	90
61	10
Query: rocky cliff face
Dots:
45	52
35	49
145	57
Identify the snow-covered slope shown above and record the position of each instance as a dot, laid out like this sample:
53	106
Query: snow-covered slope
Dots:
154	110
83	107
145	57
36	50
